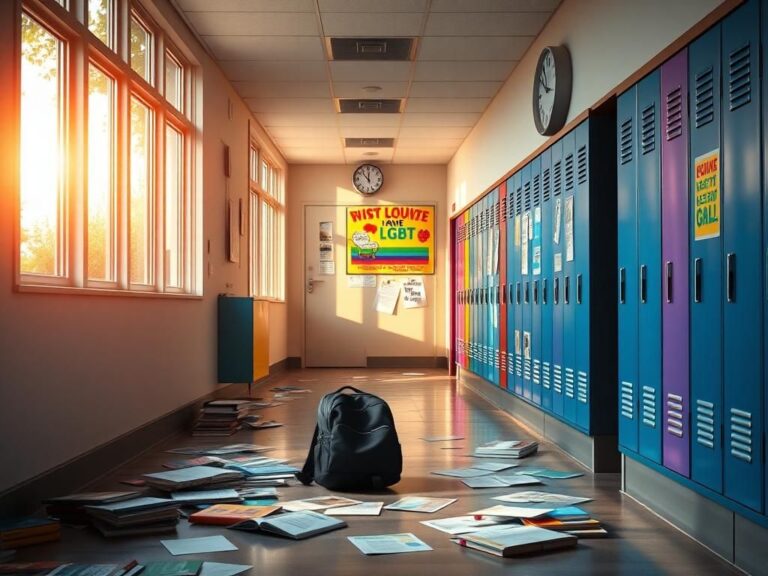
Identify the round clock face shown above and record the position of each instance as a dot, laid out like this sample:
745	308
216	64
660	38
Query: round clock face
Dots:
367	178
552	89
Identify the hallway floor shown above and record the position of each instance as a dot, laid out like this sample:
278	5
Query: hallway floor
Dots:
428	405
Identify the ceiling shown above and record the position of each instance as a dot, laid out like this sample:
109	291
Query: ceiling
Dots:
277	55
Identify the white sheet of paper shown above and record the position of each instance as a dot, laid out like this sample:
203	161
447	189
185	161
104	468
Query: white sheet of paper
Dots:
361	281
198	545
414	293
362	509
386	296
536	496
556	224
512	511
221	569
204	495
462	524
569	249
441	438
420	504
558	261
388	543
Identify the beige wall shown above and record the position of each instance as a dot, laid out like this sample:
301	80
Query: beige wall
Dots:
78	371
332	185
608	40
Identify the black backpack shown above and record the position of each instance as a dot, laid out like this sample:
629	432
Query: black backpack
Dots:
355	444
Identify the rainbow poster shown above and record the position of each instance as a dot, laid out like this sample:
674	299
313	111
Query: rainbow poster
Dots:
391	240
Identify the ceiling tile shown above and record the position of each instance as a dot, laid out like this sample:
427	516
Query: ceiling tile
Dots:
434	131
275	71
486	24
424	143
355	90
467	71
313	155
446	104
369	120
365	154
494	5
382	24
298	120
454	89
370	72
247	5
309	142
254	24
426	158
266	47
474	47
445	119
282	89
372	5
368	131
303	131
290	105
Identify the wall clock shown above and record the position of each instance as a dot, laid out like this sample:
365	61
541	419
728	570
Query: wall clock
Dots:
552	89
367	179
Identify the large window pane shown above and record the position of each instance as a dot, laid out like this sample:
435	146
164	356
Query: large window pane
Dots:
99	21
101	175
141	49
141	197
253	168
174	92
174	206
42	136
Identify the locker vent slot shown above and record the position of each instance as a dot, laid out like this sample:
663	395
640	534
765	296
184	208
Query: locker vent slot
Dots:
545	376
496	359
674	113
705	94
519	201
510	205
582	387
536	371
582	165
569	172
527	196
648	131
675	415
503	362
625	149
527	369
627	399
536	190
558	379
503	208
649	406
705	423
557	179
546	185
510	363
570	389
741	435
496	214
740	78
518	365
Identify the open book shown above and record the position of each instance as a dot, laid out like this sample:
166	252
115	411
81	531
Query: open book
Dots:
296	525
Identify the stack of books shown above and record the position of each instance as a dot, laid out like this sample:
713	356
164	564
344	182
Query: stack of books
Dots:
513	540
135	516
70	509
507	449
222	417
572	520
192	477
22	532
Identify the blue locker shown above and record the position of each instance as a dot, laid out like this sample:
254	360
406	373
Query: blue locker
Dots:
742	245
558	256
582	278
705	268
485	281
764	15
545	281
569	274
475	290
481	282
535	279
626	145
525	275
518	296
511	278
648	163
493	324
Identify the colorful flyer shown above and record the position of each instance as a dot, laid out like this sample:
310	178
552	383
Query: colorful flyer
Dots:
569	250
391	240
536	257
706	196
524	247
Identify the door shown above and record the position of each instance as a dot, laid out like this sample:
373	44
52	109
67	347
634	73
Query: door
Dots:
333	311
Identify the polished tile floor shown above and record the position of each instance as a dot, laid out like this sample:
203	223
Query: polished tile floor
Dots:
429	404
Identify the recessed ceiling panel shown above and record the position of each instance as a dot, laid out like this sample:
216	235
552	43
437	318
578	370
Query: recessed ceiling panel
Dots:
282	89
467	71
247	5
289	105
371	24
494	5
254	24
370	106
370	72
446	104
454	89
369	142
486	24
368	49
474	47
266	47
275	71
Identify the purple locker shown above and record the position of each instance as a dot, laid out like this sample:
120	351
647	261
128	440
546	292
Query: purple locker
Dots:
674	252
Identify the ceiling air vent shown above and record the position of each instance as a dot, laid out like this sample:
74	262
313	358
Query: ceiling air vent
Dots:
369	142
372	48
355	106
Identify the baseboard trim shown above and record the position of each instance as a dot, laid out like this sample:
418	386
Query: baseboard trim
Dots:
278	367
293	363
407	362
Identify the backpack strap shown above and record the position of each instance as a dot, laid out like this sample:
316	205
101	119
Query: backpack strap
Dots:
348	387
307	473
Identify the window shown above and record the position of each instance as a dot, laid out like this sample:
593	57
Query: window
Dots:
114	208
267	222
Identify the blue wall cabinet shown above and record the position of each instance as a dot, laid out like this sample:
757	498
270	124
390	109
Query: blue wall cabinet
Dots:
569	277
545	281
558	390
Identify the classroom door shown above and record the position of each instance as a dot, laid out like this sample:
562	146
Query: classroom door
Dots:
334	312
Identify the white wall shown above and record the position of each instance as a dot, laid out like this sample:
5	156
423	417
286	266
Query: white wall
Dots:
78	371
332	185
608	40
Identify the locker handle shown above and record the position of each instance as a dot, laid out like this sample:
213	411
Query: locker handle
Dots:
503	293
527	293
578	288
536	292
567	295
668	267
497	294
544	291
518	292
697	280
730	267
622	285
557	290
643	283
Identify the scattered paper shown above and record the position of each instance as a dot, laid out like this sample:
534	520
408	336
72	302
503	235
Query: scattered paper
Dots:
362	509
512	511
220	569
463	524
462	472
386	296
494	466
534	496
388	543
361	281
198	545
500	481
414	293
420	504
553	474
318	503
441	438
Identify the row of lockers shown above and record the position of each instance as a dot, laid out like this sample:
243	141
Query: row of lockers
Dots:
535	306
690	162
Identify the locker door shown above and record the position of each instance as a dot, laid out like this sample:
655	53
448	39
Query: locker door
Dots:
583	333
545	281
457	276
569	277
764	15
467	306
674	255
484	283
649	266
558	256
502	353
525	276
511	278
742	244
626	145
493	260
705	267
535	275
473	289
518	180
